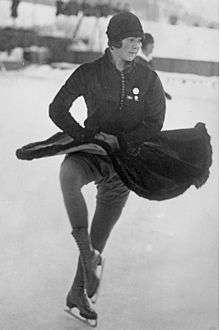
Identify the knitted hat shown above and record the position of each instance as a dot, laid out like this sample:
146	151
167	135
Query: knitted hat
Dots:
124	25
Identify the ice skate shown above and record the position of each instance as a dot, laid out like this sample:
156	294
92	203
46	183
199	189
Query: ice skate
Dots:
90	260
99	273
93	271
78	307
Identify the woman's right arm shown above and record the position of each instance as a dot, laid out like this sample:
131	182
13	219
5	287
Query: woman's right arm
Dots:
61	104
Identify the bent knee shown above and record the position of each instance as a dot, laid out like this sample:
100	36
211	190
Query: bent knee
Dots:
70	173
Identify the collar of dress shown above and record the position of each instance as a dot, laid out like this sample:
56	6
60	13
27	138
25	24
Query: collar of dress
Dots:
129	67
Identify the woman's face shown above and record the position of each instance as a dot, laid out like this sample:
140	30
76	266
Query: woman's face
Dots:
129	49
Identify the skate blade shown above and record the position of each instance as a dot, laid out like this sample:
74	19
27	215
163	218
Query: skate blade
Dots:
97	294
89	323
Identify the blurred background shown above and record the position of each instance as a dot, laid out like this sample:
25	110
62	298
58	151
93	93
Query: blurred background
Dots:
73	31
161	268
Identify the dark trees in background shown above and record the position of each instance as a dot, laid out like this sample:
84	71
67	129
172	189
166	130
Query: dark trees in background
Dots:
14	8
72	7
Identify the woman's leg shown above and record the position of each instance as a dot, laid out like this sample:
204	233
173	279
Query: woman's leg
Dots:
75	173
111	198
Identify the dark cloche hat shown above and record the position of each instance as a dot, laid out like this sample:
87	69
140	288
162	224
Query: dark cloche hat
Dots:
124	25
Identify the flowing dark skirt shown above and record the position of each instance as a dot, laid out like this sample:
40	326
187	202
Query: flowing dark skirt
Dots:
165	167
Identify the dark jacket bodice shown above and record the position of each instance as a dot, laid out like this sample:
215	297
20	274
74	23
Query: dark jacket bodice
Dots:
127	102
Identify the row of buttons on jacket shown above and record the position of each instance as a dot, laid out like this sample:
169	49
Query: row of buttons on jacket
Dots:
122	90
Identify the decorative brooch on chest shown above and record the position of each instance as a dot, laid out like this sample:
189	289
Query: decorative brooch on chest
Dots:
135	96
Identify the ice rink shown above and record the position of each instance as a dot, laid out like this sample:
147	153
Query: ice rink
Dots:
162	258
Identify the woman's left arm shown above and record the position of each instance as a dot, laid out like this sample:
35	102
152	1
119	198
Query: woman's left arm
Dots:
155	107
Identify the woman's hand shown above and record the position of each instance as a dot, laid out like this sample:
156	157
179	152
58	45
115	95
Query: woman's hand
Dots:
108	138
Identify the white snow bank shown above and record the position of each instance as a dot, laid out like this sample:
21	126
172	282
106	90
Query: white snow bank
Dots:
15	55
184	42
28	14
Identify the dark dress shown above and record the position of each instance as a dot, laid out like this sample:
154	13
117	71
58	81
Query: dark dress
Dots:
163	167
150	65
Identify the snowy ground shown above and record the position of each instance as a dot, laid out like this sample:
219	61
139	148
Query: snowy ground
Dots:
162	259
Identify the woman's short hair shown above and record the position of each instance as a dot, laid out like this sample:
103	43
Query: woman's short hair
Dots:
116	44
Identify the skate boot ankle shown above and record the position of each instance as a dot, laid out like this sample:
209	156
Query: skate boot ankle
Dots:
77	298
91	278
89	258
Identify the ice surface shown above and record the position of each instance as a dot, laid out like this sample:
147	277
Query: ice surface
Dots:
162	257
